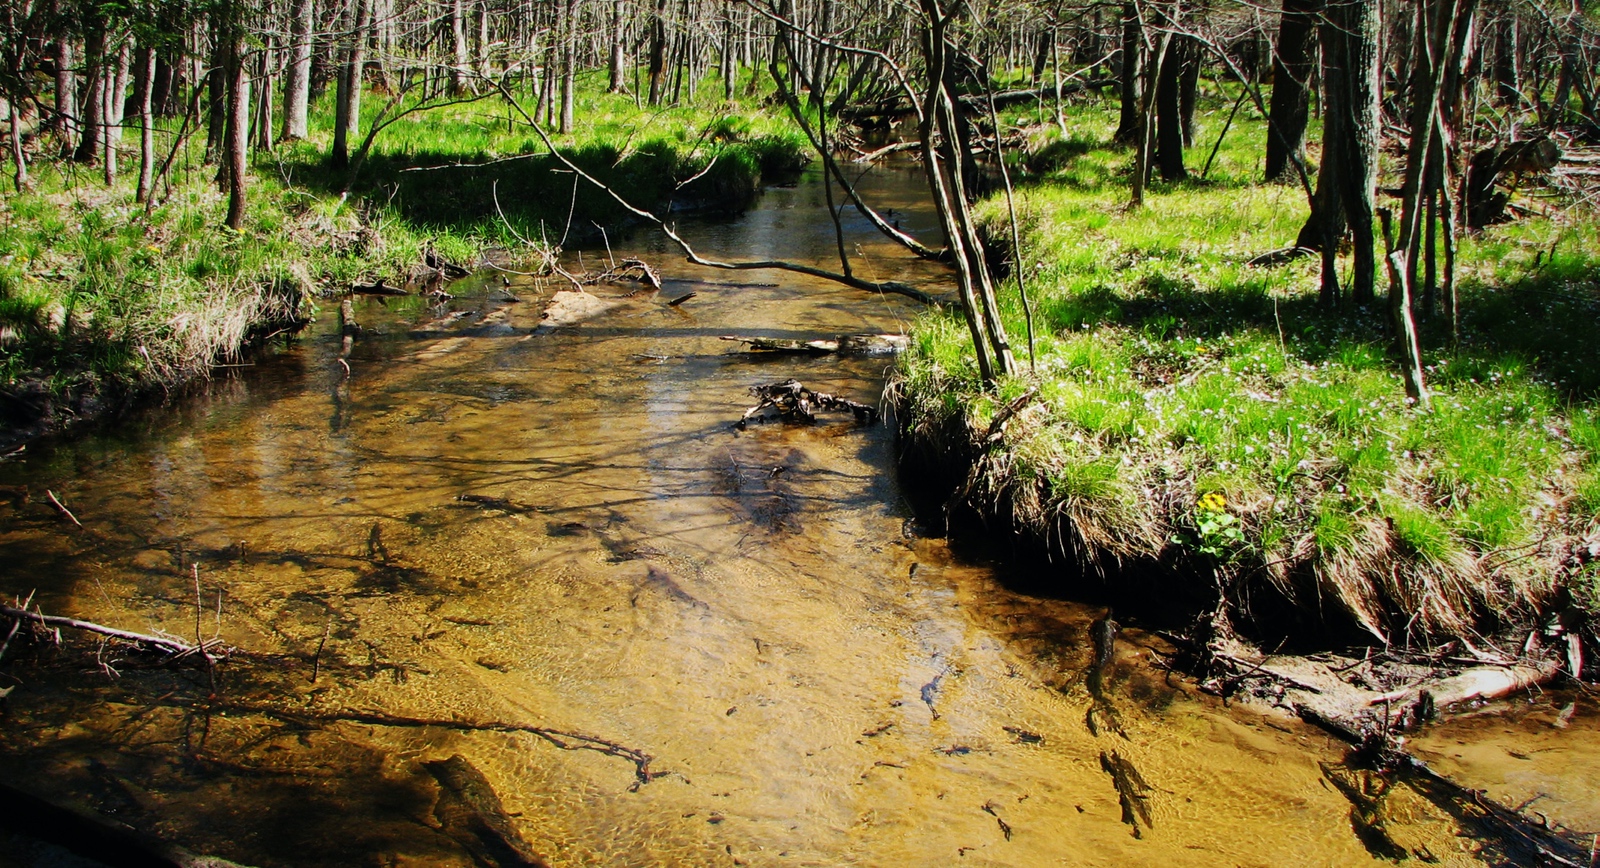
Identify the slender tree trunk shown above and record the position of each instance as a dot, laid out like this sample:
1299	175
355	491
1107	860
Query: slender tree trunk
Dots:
217	99
1292	60
1188	88
147	123
297	84
110	130
1169	114
458	42
66	97
569	64
93	111
658	51
347	122
237	139
1130	120
17	156
619	53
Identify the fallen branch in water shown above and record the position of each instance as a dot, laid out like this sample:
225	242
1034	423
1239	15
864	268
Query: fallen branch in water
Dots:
562	739
689	252
1371	723
164	644
61	507
795	402
865	345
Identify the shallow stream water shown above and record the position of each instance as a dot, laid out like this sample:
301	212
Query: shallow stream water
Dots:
660	640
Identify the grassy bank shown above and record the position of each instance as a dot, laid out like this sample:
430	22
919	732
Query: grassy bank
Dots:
1208	418
101	302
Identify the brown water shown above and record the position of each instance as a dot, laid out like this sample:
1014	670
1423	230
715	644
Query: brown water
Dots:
813	680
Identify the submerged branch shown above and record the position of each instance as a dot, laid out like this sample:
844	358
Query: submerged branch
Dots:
694	257
163	644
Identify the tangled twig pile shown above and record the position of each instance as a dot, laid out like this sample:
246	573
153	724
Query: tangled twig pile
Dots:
795	403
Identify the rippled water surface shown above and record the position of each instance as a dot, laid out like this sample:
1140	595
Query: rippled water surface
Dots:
658	639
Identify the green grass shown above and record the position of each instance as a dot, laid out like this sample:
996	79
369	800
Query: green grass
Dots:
1170	371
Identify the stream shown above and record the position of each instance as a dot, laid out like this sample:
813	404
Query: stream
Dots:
652	638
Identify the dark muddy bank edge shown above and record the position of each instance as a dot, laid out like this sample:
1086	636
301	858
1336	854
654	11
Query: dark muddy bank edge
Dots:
958	480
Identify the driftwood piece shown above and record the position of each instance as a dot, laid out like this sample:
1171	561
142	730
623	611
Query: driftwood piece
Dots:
433	260
1370	722
470	812
862	344
794	402
636	270
163	644
379	288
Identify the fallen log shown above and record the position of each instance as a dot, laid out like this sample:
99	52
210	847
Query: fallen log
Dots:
378	288
795	402
863	344
1371	723
1482	682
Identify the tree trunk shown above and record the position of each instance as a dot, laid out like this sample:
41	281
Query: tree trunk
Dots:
1130	120
297	85
347	122
1188	88
1291	74
1347	181
658	51
569	64
147	123
1169	114
237	144
21	160
217	98
110	129
458	42
66	97
619	54
92	113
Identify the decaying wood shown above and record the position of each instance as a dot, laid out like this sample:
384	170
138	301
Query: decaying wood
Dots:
433	260
378	288
863	344
794	402
1370	721
1482	682
681	299
470	812
168	645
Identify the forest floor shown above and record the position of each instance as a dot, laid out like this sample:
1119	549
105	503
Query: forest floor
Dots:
1192	432
103	301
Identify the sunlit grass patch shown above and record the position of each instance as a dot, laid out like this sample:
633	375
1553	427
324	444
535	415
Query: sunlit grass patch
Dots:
1267	440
